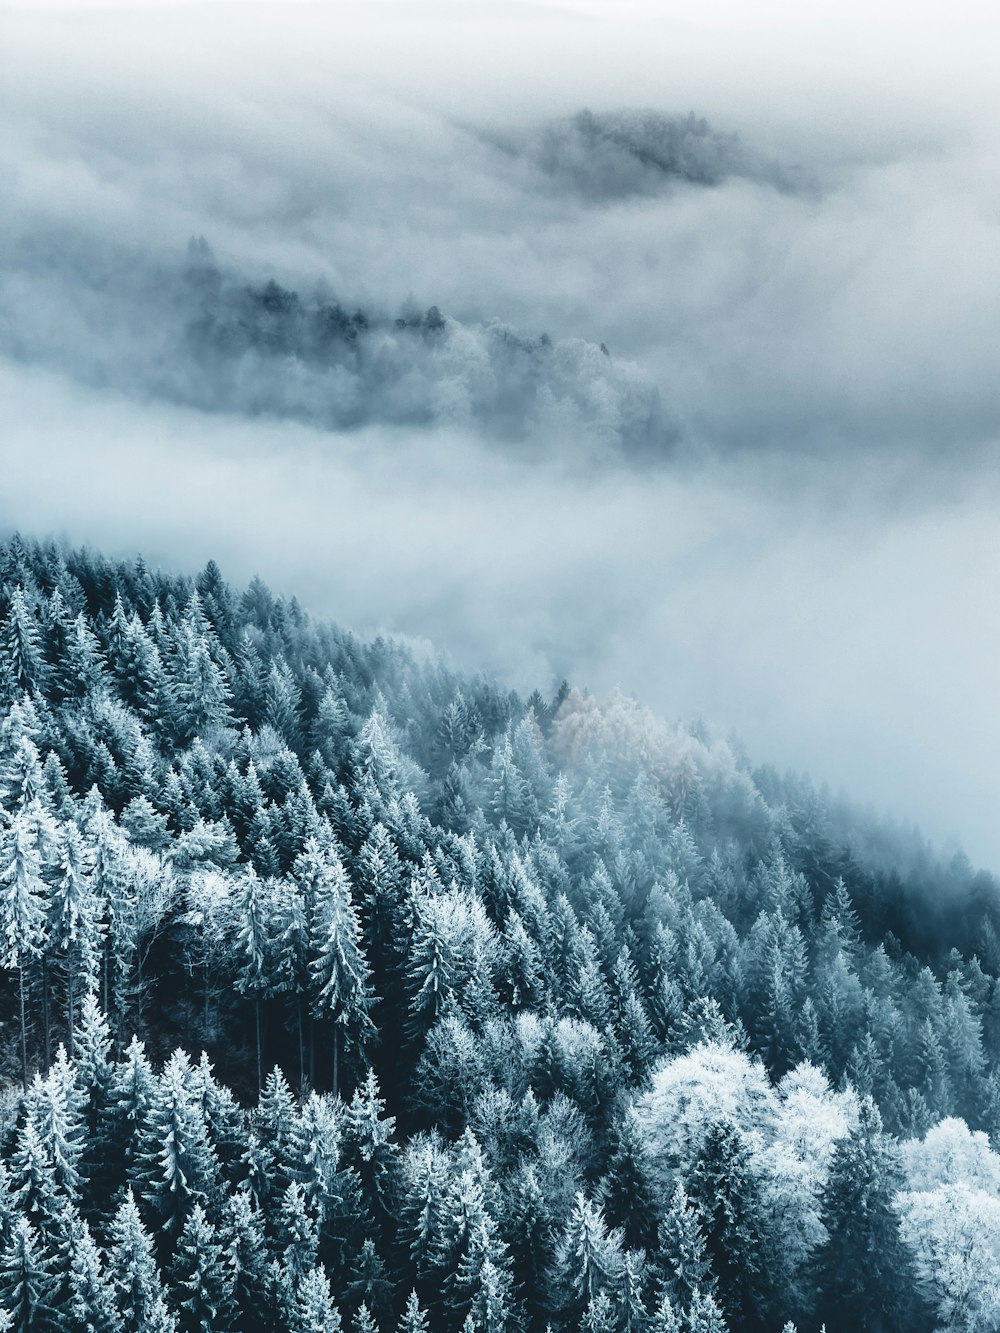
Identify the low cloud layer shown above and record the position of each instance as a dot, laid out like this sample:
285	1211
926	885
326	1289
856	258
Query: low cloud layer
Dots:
749	472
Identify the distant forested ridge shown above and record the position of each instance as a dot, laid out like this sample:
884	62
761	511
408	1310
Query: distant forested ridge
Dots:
341	991
608	155
197	332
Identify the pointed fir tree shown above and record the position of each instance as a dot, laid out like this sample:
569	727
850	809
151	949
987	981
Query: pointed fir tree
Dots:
22	662
23	909
600	1315
202	1276
863	1274
75	921
682	1255
340	976
704	1315
312	1309
727	1190
588	1258
91	1295
132	1269
629	1196
177	1165
27	1282
414	1318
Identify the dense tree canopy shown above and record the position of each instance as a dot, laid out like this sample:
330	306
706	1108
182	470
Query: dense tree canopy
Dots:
340	991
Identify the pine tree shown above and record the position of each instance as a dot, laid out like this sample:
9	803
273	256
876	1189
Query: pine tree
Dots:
55	1113
253	1291
83	669
599	1316
142	679
23	904
253	951
631	1200
202	1276
588	1258
727	1191
199	690
21	661
632	1314
20	765
370	1286
704	1315
132	1269
177	1165
490	1310
364	1322
276	1121
314	1152
91	1305
341	982
682	1255
368	1134
414	1319
132	1088
74	921
511	798
529	1232
27	1283
312	1309
864	1274
33	1181
665	1318
298	1235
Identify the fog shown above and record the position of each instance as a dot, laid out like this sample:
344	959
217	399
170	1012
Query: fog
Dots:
750	473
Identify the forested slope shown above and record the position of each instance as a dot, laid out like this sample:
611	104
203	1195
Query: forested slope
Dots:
340	989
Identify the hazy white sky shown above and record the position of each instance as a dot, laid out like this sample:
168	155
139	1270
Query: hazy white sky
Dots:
785	12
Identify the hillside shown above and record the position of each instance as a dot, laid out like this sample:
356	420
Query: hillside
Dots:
342	990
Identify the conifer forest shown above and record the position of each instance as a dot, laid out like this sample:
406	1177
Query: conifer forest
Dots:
451	496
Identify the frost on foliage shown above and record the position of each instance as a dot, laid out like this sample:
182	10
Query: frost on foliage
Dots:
710	1083
950	1219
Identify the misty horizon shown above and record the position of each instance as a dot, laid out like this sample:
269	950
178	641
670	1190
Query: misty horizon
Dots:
640	379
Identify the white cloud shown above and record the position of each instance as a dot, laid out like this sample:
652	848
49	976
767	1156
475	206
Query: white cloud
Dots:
816	570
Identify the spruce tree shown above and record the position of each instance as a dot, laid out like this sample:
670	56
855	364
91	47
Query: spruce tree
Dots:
863	1274
727	1190
177	1165
682	1255
342	989
312	1309
414	1318
23	908
91	1304
27	1282
588	1258
202	1276
132	1269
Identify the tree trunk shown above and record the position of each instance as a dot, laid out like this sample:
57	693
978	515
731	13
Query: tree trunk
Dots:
336	1060
71	1008
24	1030
46	1027
259	1025
106	979
302	1042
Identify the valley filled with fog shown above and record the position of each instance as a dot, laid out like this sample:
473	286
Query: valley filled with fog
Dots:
466	329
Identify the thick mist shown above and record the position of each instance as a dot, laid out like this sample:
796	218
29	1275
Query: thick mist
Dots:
708	412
